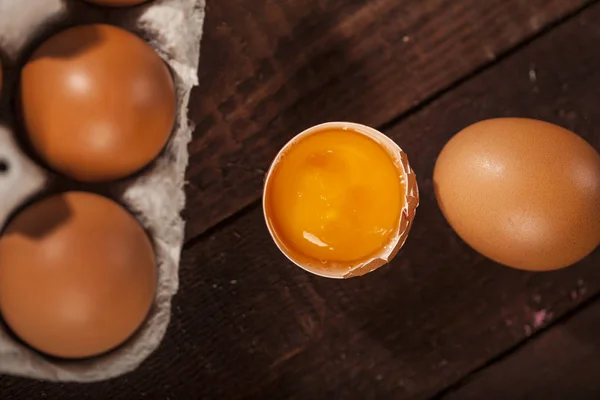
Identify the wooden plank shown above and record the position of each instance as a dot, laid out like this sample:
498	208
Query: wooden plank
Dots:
272	68
562	363
247	324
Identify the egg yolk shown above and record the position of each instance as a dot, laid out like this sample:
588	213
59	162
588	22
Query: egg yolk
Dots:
335	196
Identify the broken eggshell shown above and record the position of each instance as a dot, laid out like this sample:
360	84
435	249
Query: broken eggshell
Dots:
407	214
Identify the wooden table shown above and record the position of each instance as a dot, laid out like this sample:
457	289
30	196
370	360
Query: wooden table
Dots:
441	322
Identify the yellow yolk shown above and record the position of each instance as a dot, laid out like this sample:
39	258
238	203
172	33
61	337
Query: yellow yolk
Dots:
335	196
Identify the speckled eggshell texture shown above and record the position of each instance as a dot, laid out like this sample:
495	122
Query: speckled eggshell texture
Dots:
522	192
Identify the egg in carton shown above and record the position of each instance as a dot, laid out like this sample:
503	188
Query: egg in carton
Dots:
155	196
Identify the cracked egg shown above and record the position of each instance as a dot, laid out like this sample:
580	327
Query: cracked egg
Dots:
339	199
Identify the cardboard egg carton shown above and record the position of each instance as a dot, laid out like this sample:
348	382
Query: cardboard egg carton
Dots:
156	196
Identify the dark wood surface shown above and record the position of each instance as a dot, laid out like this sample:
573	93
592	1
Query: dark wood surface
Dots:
270	69
439	322
563	363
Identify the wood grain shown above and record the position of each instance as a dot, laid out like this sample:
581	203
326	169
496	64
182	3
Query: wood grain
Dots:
249	325
270	69
562	363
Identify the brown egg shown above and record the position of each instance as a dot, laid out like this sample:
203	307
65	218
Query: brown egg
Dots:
98	102
77	275
117	3
522	192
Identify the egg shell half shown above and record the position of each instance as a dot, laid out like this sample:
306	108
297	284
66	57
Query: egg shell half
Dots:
407	214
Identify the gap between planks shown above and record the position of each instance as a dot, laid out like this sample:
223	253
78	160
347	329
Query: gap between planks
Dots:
464	381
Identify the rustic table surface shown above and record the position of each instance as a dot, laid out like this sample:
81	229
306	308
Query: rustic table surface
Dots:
441	322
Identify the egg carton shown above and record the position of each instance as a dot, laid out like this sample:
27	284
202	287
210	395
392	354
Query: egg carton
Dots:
156	196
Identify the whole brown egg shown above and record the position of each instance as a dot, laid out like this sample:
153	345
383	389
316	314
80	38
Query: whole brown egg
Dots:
117	3
77	275
98	102
522	192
